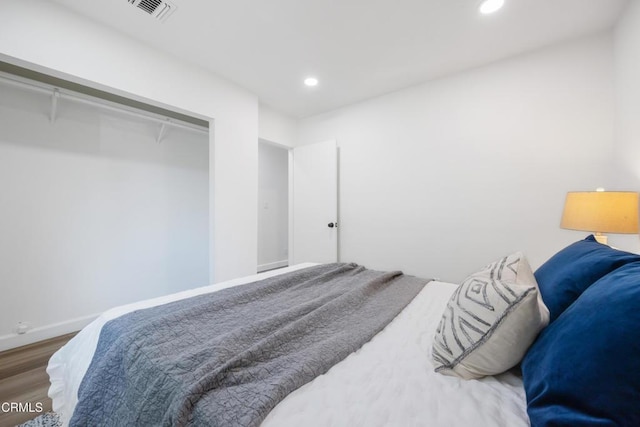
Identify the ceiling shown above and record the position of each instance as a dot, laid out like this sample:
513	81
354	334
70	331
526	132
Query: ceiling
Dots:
357	49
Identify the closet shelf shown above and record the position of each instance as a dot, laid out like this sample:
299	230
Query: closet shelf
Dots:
57	93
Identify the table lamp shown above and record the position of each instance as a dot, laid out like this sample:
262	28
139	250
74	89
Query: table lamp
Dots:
601	212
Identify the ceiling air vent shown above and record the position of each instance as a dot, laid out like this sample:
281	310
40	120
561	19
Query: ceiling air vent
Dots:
159	9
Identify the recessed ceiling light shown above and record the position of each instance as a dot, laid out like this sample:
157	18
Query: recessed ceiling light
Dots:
490	6
311	81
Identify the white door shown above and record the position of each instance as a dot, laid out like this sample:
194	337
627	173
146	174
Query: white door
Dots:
314	203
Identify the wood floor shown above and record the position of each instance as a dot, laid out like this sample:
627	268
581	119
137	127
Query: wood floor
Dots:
23	379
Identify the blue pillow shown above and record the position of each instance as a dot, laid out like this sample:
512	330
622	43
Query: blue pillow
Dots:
584	369
567	274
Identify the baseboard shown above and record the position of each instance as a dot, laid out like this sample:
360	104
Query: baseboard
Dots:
41	333
272	265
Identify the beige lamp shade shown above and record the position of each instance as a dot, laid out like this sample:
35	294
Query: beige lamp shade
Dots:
601	212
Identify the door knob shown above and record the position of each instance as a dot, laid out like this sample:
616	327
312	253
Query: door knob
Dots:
332	224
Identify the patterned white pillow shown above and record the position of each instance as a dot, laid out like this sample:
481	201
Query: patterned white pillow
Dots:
490	321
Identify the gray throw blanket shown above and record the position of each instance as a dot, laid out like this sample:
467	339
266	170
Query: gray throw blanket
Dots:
227	358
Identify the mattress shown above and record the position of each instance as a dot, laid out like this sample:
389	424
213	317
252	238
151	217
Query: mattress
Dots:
389	381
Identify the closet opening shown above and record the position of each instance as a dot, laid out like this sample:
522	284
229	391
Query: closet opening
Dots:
104	201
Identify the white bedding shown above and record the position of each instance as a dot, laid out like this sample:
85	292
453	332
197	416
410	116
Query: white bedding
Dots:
388	382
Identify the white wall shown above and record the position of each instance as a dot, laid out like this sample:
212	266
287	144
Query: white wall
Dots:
48	38
273	206
94	212
442	178
276	127
626	166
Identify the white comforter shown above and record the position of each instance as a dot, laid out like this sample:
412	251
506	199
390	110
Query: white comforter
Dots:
388	382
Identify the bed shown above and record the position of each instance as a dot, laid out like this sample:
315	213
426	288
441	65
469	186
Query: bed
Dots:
391	380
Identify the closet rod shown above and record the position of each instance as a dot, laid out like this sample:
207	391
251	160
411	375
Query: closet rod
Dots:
103	104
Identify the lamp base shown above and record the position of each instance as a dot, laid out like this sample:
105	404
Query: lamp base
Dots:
601	238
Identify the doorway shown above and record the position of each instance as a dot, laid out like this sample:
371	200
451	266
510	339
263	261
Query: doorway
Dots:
273	206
